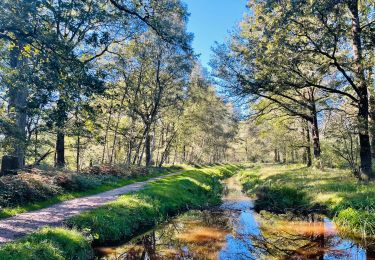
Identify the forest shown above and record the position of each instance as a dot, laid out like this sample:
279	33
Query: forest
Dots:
99	95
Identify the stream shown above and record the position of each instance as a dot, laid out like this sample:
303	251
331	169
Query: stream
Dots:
234	231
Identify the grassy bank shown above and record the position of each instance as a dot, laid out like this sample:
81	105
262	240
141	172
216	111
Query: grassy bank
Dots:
49	243
127	216
27	192
283	188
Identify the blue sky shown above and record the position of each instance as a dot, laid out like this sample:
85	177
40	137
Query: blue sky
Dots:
210	21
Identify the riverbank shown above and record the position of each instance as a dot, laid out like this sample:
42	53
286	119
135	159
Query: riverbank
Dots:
233	230
294	188
122	219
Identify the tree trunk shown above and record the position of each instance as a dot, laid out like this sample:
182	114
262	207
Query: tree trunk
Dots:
107	131
372	117
60	136
148	151
308	147
363	104
17	109
315	129
284	155
60	149
275	156
78	152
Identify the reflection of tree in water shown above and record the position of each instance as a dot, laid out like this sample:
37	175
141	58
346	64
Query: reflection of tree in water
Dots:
297	239
177	238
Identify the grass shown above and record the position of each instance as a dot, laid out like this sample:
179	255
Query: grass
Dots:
125	217
130	214
349	202
119	182
49	243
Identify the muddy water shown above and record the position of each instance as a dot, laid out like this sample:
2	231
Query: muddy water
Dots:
235	231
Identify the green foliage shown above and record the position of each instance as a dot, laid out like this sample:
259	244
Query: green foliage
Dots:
122	219
49	243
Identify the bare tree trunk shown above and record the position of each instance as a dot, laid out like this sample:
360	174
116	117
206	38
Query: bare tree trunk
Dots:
363	105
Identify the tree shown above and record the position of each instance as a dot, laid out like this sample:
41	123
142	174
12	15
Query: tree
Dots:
287	45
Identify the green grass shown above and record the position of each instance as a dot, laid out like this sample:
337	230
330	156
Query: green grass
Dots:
12	211
130	214
49	243
349	202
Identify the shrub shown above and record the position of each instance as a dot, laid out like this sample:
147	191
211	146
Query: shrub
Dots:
83	182
49	243
26	187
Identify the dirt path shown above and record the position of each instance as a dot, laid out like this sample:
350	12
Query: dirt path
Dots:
19	225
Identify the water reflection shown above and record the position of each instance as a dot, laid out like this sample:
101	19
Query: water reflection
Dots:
235	231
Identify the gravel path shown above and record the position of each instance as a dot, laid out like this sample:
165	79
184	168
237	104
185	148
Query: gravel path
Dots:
19	225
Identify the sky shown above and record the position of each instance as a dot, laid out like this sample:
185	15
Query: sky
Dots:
210	21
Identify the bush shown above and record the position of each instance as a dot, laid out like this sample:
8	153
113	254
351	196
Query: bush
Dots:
26	187
117	170
49	243
82	182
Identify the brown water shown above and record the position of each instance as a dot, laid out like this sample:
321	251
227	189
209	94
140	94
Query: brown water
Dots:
235	231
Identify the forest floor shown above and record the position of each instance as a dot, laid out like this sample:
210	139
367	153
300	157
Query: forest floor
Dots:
282	189
21	224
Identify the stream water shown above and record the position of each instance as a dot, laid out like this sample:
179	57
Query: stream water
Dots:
235	231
